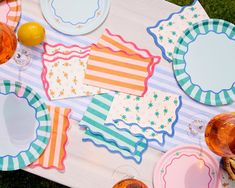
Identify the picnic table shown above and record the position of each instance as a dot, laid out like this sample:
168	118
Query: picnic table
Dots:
89	166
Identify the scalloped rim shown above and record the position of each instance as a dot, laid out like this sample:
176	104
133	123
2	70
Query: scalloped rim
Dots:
116	151
114	141
22	86
74	54
155	38
35	115
155	59
69	30
208	21
158	58
17	18
45	82
185	155
164	133
8	10
61	18
64	146
186	146
45	44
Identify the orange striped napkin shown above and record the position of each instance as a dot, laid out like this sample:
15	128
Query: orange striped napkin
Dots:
117	42
120	65
118	70
55	152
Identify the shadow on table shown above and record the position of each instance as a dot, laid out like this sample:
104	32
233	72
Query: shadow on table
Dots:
24	179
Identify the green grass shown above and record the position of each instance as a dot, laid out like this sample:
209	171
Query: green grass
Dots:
223	9
24	179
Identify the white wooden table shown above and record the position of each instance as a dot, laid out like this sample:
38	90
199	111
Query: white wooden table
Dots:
86	165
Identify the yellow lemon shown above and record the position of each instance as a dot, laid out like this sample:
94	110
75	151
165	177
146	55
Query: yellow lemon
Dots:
31	34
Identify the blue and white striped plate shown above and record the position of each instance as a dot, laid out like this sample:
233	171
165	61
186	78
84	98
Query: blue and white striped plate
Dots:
204	62
23	157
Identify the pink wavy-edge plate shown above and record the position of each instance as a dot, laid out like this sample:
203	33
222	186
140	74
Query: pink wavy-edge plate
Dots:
187	166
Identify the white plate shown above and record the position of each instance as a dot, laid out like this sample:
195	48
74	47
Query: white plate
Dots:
75	17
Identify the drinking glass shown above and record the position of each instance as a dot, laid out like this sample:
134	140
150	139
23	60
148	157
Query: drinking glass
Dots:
8	43
220	134
9	48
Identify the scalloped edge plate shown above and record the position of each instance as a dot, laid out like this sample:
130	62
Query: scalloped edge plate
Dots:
38	145
170	157
209	97
79	28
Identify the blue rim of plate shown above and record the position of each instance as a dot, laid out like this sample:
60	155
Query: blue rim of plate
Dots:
82	22
37	146
55	20
208	97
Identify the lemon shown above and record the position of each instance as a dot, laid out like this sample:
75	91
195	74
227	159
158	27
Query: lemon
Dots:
31	34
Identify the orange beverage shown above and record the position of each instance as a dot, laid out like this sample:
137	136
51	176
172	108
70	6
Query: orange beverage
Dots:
220	135
8	43
130	183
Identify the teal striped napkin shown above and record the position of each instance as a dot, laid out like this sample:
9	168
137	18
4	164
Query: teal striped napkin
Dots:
99	141
116	141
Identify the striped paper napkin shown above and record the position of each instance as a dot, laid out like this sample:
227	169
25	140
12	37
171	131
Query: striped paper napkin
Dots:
110	137
119	65
55	153
63	72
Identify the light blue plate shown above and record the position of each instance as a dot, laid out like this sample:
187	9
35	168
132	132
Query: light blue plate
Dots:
75	17
204	62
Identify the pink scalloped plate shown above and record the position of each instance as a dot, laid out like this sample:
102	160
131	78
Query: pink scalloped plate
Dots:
187	166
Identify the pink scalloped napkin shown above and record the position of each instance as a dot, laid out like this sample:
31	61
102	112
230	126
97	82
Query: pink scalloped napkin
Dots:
119	65
55	152
51	49
63	73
